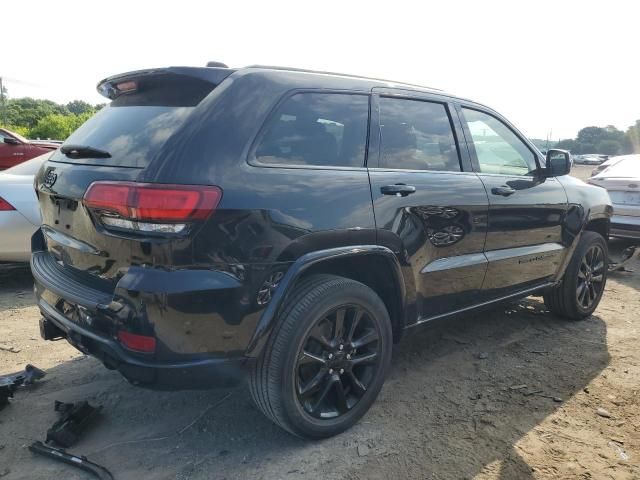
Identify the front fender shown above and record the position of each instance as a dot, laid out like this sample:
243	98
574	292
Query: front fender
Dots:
587	203
270	314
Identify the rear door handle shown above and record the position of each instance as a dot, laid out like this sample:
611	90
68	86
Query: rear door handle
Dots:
399	189
504	191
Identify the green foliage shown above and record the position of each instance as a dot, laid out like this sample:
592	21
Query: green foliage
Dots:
568	144
632	138
606	141
609	147
44	119
543	144
79	106
57	126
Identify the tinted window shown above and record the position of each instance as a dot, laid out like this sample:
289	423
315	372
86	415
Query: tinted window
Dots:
327	129
135	126
416	135
499	150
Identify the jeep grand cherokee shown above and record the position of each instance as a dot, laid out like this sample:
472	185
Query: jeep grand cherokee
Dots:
287	226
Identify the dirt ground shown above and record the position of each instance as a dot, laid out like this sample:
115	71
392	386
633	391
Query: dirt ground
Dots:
511	393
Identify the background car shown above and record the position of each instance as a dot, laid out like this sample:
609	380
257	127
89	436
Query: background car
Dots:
19	210
611	162
622	181
594	159
15	149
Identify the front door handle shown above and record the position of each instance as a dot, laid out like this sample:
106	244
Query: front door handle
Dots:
399	189
504	191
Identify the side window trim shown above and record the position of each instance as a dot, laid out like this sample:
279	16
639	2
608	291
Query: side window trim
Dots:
469	139
375	134
373	148
271	117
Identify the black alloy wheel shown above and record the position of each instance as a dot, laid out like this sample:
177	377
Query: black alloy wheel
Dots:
339	358
590	276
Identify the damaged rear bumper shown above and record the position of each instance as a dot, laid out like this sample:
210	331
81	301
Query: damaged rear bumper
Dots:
202	373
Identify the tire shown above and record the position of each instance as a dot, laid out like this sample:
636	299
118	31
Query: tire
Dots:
288	380
568	299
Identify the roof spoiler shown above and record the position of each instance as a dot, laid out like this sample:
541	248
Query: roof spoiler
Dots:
112	87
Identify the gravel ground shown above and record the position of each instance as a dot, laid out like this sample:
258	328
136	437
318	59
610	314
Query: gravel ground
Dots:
509	393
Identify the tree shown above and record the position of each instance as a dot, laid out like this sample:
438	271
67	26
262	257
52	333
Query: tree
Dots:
632	138
58	126
591	135
609	147
26	112
568	144
79	106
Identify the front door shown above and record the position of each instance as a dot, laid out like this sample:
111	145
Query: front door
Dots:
524	240
430	208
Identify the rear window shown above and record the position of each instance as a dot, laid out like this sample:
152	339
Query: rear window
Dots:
134	127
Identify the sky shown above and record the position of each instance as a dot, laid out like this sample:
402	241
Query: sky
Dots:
551	67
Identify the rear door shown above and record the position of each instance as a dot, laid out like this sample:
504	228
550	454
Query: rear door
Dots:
524	240
430	208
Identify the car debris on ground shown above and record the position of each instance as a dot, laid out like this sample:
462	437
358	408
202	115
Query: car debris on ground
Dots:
79	462
9	383
74	419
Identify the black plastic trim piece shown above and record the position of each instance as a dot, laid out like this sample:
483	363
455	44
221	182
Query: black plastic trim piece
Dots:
66	283
270	314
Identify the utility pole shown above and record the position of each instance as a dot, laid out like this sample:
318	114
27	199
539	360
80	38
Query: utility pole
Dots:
2	104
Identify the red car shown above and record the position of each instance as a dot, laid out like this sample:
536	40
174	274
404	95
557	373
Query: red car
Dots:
15	149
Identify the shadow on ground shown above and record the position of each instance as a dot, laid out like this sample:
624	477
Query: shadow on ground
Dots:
16	280
458	397
629	277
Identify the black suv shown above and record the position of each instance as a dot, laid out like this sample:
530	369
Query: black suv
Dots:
287	226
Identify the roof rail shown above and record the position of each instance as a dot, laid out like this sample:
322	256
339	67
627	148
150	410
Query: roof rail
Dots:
305	70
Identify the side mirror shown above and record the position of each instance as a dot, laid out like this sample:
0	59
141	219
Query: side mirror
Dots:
558	163
11	141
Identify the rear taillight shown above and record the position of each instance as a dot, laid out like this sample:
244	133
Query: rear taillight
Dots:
138	343
5	206
151	207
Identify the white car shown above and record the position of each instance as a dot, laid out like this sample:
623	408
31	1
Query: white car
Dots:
622	181
610	163
19	210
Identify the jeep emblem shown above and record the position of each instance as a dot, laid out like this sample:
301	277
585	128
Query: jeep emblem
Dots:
50	178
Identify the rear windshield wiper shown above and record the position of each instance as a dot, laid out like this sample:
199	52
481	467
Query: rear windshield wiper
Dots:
84	151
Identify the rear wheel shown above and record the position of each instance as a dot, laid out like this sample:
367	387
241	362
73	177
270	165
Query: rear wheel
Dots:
326	360
582	286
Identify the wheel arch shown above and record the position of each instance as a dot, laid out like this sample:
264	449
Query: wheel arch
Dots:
599	225
598	222
373	265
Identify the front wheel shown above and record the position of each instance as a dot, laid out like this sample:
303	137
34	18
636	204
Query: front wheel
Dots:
326	360
582	286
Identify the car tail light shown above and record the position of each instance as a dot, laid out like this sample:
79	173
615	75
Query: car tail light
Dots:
138	343
5	206
151	207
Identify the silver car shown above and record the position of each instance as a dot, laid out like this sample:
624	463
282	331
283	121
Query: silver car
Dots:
19	210
622	181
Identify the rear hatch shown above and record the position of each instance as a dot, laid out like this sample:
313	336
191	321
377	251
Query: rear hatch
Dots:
96	218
